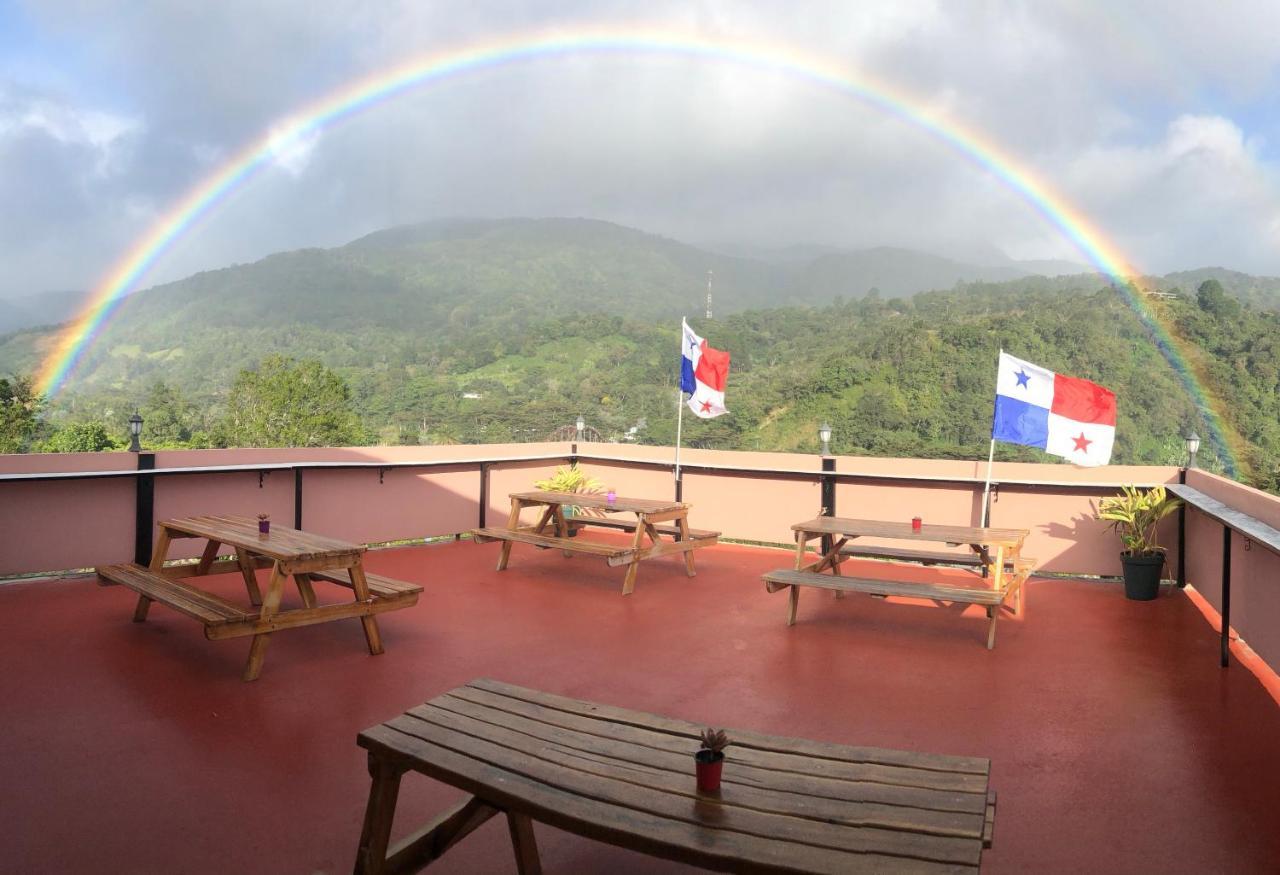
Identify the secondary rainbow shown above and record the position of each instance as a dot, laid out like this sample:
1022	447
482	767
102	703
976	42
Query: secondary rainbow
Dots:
387	84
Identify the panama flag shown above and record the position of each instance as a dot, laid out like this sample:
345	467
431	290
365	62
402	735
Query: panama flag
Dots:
703	374
1065	416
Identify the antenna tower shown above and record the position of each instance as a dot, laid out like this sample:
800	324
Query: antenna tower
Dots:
708	294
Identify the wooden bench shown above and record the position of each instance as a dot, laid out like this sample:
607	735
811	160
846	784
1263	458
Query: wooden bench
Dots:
380	587
786	805
210	610
580	522
923	557
991	599
547	542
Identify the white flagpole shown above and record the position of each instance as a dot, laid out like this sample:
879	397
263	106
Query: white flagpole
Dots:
679	426
991	455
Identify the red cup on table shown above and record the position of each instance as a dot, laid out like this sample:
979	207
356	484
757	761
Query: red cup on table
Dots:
915	524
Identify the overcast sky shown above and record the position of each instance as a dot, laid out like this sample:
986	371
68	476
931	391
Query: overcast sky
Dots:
1160	121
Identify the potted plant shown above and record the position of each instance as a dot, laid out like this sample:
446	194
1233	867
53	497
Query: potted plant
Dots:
709	760
264	524
570	478
1134	514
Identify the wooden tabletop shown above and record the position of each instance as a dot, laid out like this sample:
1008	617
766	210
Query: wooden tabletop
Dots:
828	525
601	500
627	777
282	542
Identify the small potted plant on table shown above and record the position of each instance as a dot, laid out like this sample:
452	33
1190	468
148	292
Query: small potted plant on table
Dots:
264	524
709	760
1134	514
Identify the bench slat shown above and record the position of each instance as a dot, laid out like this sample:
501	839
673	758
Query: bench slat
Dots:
630	526
379	586
577	545
787	577
209	609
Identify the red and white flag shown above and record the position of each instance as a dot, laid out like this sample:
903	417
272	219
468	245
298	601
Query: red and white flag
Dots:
703	374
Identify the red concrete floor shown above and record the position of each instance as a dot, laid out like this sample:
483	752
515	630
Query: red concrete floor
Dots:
1117	743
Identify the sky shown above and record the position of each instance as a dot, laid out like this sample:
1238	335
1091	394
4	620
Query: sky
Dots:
1158	121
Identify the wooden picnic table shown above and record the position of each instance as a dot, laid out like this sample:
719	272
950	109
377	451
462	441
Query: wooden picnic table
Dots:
995	552
652	520
288	552
626	778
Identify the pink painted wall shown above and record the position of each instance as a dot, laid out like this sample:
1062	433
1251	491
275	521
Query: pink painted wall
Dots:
1255	571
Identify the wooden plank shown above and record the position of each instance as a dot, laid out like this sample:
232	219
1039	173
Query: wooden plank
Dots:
416	850
621	800
275	622
741	737
379	585
699	843
902	531
784	577
209	609
881	793
662	548
600	501
627	525
577	545
902	554
282	543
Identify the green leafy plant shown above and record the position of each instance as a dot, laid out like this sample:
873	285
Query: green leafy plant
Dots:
1134	514
571	478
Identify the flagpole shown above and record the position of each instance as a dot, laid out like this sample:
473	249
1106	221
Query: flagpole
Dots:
991	454
679	425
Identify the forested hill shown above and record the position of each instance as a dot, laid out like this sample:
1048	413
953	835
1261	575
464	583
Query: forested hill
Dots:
508	330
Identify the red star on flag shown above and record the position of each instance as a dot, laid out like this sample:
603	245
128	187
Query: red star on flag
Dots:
706	406
1082	443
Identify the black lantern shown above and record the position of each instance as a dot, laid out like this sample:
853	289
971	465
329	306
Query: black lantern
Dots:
135	432
824	435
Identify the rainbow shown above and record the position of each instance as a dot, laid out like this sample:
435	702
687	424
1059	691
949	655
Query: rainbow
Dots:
385	85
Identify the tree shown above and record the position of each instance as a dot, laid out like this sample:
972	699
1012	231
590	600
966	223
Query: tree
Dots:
288	403
1213	300
19	411
80	437
168	418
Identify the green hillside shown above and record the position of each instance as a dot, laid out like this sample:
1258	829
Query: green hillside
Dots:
506	330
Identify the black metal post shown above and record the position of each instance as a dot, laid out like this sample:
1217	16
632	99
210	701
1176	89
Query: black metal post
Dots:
679	485
144	505
1226	594
297	498
828	496
484	492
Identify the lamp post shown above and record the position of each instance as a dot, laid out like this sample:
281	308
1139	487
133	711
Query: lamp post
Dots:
135	432
824	435
1193	446
580	425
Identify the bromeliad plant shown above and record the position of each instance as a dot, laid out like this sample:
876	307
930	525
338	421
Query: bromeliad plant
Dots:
1134	515
571	478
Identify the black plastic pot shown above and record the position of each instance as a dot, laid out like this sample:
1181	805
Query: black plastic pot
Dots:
1142	576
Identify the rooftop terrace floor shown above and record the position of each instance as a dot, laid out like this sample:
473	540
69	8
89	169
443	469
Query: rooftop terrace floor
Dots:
1117	743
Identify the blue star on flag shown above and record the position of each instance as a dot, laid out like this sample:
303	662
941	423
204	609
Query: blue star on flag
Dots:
1022	377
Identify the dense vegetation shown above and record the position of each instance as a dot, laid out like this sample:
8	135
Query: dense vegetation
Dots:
427	338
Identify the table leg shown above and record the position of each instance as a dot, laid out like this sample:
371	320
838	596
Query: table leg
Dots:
997	572
802	542
361	585
206	558
629	583
305	591
993	611
513	523
562	525
375	835
793	602
157	562
249	572
270	605
683	523
522	841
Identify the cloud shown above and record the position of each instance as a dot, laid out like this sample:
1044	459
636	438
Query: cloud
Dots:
1155	121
